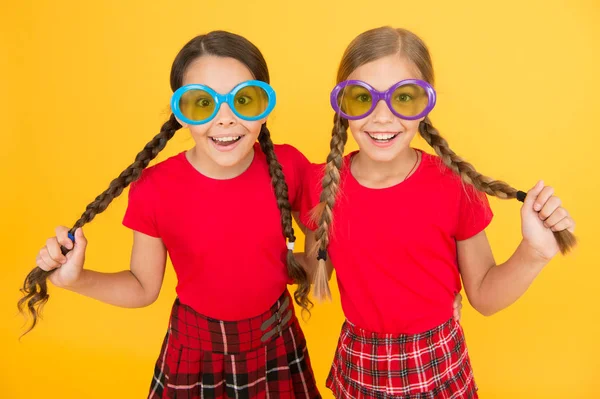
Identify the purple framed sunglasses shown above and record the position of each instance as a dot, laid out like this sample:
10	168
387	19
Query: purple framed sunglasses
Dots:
408	99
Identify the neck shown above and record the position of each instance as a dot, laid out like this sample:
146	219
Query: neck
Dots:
206	166
378	174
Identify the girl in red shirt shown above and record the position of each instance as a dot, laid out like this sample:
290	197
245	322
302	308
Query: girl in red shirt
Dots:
402	227
233	331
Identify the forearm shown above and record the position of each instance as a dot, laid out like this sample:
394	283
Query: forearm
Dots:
502	285
121	289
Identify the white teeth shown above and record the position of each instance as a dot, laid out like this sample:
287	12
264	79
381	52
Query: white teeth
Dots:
226	139
382	136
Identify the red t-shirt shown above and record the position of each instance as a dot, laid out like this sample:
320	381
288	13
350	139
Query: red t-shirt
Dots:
394	249
224	237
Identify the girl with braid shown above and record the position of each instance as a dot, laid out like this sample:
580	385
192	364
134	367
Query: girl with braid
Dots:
402	227
233	331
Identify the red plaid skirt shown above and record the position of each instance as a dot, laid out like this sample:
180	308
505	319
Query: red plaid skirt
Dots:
433	364
262	357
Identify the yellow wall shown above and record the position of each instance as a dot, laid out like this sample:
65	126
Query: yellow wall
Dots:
84	85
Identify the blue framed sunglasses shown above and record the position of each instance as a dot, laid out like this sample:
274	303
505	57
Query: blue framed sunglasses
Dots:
196	104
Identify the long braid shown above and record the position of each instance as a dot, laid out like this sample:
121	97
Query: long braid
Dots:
295	270
324	211
461	167
565	239
35	286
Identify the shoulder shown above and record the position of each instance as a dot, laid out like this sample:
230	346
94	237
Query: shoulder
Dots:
161	172
289	154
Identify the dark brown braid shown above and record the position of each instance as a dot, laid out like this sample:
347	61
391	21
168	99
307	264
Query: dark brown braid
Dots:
296	272
35	286
324	213
497	188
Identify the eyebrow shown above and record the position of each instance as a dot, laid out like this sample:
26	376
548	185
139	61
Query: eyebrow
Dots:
410	88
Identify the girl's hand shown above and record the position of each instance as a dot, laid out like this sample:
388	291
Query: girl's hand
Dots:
68	266
541	215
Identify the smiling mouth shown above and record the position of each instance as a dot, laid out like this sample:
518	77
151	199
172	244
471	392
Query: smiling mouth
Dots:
382	137
225	141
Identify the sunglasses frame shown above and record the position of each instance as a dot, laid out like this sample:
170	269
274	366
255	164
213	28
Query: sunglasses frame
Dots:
386	96
220	99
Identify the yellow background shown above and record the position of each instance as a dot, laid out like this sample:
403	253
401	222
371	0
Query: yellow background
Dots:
84	85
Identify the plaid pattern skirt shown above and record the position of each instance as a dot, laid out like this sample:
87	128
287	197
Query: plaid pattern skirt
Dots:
433	364
262	357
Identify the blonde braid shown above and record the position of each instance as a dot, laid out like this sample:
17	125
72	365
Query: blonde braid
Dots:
497	188
324	213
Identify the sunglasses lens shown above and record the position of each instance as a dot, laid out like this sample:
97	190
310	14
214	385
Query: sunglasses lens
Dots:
251	101
355	100
197	105
409	100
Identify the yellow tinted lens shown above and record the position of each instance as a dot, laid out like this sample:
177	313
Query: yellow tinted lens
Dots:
409	100
196	105
251	101
355	100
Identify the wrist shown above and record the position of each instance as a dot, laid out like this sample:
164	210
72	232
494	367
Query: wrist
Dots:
529	255
74	284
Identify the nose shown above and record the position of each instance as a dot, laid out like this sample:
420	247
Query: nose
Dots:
382	113
225	116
